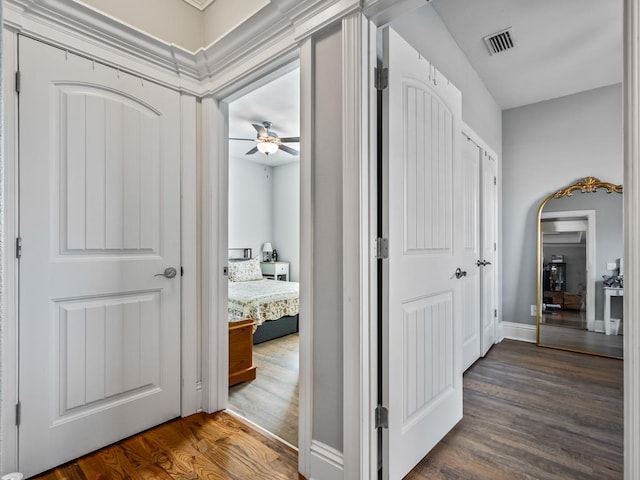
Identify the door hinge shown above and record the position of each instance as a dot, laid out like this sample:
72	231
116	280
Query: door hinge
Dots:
382	248
225	271
495	180
18	81
19	247
382	417
495	313
181	271
495	247
18	413
381	78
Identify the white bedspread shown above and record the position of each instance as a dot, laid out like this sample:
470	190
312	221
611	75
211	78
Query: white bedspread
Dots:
262	300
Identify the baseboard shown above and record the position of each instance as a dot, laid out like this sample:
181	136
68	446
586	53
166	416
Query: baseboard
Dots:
519	331
326	462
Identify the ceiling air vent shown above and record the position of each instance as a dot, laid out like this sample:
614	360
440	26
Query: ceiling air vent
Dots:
500	41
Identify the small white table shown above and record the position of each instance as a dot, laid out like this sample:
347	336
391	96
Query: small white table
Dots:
275	270
608	293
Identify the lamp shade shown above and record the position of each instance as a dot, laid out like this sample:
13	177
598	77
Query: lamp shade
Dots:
267	247
267	147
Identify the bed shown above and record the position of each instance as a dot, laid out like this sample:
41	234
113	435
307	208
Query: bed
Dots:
259	310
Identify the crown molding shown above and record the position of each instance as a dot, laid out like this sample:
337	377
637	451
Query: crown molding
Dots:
200	4
277	31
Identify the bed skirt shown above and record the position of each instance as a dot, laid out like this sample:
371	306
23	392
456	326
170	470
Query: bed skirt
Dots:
272	329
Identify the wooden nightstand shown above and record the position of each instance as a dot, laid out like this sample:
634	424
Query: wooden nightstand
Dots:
275	270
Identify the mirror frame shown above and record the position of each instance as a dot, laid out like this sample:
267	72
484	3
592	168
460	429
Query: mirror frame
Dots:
586	185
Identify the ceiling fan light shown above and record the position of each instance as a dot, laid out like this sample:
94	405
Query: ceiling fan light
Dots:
267	147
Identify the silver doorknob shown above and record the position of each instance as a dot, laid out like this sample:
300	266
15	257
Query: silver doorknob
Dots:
460	273
169	272
485	263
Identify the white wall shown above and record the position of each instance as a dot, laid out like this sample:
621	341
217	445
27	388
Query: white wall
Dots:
250	205
170	20
222	16
426	32
286	216
546	146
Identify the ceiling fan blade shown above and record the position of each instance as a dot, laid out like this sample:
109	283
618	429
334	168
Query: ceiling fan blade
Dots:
290	139
262	132
252	151
290	150
246	139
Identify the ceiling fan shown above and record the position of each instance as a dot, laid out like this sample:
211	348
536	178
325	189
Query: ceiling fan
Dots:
269	142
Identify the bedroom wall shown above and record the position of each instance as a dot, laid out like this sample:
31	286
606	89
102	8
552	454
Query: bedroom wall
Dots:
546	146
327	241
286	216
250	205
424	29
170	20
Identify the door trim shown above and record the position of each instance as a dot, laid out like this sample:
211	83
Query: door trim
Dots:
214	117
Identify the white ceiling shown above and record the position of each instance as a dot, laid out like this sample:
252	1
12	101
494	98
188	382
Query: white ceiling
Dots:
277	102
562	46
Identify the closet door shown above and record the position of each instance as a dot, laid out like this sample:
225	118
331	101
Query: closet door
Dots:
100	228
471	281
489	220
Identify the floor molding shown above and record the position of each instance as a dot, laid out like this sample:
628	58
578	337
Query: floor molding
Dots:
326	462
519	331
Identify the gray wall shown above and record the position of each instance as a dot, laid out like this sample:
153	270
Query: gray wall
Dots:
327	241
286	216
426	32
546	146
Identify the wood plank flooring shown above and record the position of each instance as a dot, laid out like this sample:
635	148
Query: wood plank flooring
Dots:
530	413
271	400
534	413
212	447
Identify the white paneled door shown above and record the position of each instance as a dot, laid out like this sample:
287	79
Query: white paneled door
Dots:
489	216
471	332
423	219
99	218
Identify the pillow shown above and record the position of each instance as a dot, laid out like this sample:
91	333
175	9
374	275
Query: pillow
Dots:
245	271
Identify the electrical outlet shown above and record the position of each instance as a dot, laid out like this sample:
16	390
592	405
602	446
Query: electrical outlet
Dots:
611	265
533	310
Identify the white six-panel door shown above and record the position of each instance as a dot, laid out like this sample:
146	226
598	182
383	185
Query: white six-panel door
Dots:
422	328
99	217
471	252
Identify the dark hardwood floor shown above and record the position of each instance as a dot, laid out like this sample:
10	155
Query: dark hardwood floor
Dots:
529	413
271	400
534	413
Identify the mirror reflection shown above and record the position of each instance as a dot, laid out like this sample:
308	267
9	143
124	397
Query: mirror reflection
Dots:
580	269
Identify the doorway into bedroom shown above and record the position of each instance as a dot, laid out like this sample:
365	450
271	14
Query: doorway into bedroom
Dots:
264	251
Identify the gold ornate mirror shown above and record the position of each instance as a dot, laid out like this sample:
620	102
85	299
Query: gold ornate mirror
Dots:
580	268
